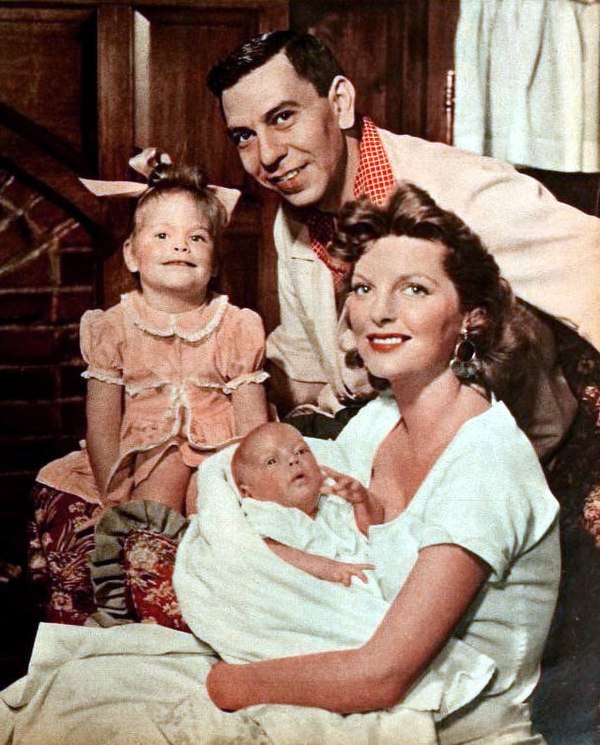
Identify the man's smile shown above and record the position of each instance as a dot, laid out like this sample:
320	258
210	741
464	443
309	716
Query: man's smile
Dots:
287	180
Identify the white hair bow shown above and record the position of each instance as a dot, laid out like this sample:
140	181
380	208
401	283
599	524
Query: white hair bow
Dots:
144	163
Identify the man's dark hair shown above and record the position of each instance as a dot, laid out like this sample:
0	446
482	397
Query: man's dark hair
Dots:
311	60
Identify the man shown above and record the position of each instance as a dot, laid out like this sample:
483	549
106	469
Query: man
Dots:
289	110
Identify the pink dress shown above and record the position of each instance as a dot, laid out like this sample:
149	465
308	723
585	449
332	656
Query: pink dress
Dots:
178	371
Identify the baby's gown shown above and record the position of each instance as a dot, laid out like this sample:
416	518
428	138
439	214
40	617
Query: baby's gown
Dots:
178	371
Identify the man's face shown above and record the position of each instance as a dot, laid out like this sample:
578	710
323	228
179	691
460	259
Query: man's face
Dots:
289	139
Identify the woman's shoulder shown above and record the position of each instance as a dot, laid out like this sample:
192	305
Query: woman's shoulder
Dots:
488	492
495	431
493	458
490	447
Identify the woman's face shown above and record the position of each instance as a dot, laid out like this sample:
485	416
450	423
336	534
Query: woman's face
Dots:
404	309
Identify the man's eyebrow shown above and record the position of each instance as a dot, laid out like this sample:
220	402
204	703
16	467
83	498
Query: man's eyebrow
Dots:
281	105
265	117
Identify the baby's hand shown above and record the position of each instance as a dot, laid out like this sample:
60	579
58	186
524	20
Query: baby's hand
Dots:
320	567
340	571
344	486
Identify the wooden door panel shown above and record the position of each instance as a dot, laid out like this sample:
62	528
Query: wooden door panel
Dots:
382	48
174	49
48	80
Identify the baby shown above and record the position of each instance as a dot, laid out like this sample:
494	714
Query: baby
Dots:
293	504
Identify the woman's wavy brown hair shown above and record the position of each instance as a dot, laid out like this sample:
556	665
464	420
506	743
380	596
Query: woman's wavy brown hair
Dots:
498	325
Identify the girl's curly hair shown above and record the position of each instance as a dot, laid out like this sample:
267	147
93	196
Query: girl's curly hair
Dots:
500	326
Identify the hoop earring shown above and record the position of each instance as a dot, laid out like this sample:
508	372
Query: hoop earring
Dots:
465	364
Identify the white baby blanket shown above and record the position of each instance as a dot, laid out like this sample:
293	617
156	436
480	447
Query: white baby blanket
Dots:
249	604
145	684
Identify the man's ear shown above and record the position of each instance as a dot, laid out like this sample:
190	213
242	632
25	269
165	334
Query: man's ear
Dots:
342	96
129	256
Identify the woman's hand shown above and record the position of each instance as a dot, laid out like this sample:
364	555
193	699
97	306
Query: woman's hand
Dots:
218	689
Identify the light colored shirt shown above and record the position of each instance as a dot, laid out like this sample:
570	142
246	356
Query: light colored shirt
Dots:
487	494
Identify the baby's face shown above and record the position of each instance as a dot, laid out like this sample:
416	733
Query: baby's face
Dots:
278	466
171	247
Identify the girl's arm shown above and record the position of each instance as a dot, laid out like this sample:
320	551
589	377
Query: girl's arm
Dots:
249	407
104	410
435	596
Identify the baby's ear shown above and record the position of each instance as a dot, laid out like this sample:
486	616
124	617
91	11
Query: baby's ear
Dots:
129	256
244	490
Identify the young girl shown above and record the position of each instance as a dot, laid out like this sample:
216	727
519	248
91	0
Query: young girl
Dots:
174	370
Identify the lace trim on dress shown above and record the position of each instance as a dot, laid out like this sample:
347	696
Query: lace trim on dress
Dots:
172	320
105	377
133	390
177	390
255	377
259	376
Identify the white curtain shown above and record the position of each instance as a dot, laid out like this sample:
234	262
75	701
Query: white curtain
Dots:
528	82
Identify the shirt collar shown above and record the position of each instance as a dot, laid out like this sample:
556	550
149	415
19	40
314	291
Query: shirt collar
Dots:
374	179
192	325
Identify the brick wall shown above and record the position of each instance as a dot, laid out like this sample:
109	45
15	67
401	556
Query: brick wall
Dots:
48	275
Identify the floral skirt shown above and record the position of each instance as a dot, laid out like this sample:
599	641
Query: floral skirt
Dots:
127	578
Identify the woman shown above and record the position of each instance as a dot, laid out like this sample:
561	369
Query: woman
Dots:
465	501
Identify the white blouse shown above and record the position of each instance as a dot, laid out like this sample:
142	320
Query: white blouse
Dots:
486	493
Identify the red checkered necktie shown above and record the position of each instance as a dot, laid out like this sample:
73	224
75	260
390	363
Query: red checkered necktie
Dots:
374	179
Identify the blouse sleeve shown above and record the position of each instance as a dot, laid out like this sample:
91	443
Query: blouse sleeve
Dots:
241	352
100	339
493	501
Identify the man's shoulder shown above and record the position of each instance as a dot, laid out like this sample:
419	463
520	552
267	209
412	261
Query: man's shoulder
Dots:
413	157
